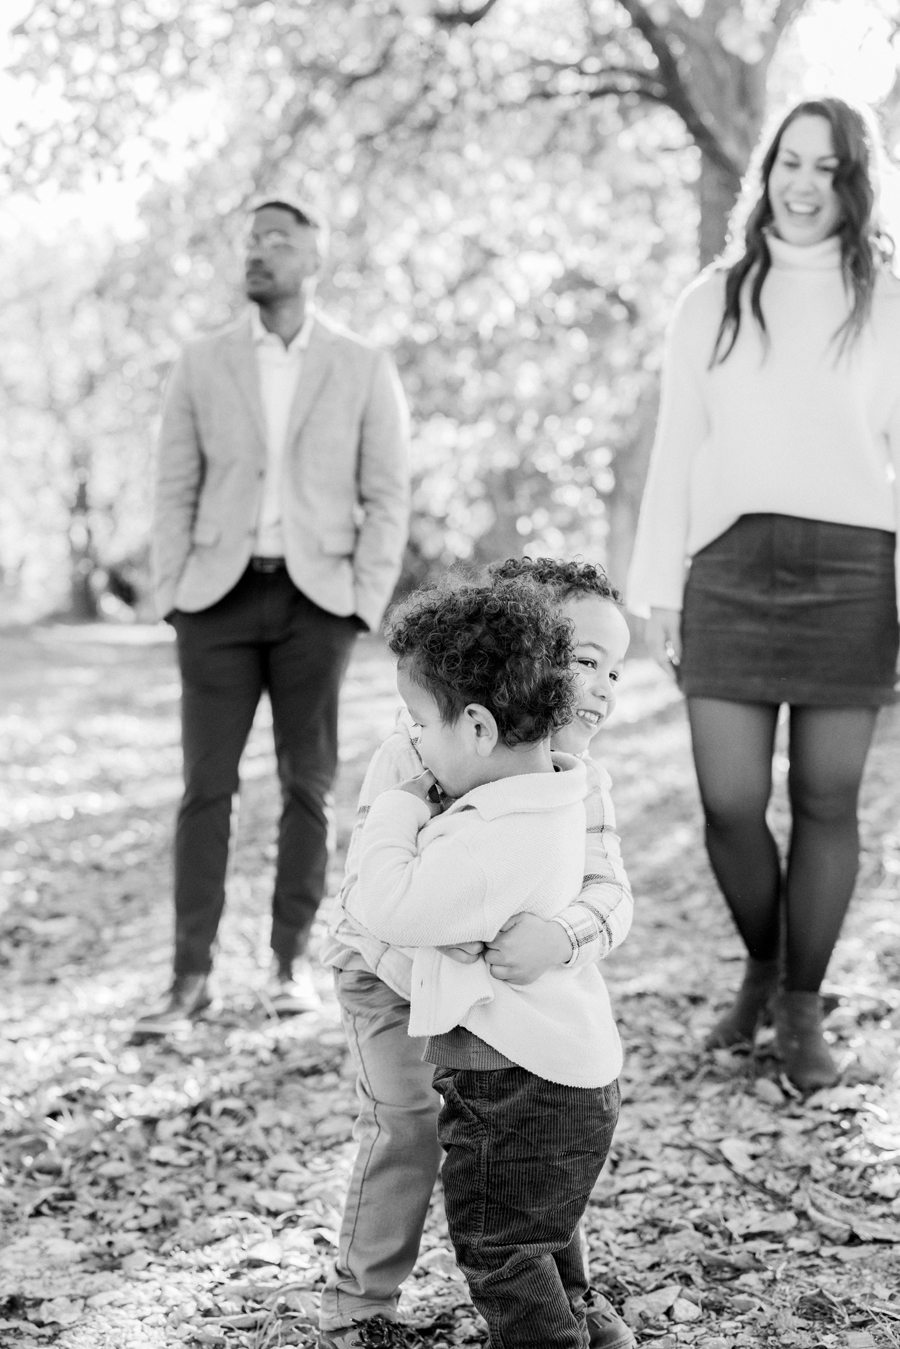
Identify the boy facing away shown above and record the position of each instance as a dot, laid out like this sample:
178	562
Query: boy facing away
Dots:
527	1073
398	1153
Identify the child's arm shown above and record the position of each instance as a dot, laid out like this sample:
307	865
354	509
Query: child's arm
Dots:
395	760
590	927
430	897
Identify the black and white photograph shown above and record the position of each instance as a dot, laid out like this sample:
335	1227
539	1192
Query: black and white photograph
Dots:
450	674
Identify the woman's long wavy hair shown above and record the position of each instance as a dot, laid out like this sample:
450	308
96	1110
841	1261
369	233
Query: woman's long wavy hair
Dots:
865	245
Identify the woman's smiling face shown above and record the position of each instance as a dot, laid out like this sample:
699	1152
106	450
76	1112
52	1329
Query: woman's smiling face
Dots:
805	207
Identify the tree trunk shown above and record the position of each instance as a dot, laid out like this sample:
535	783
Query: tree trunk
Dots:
718	191
82	600
82	555
624	501
502	539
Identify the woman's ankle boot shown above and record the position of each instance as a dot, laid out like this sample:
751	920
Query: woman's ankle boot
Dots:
739	1024
798	1035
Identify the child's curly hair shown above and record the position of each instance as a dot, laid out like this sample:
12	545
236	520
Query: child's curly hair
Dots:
503	645
568	580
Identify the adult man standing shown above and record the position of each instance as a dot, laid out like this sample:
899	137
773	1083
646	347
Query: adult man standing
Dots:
280	520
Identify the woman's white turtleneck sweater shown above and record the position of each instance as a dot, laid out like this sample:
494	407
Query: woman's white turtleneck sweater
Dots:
789	427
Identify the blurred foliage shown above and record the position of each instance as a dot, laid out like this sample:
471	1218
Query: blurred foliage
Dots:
515	193
79	385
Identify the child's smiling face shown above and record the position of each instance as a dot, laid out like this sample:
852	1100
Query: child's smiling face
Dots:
601	641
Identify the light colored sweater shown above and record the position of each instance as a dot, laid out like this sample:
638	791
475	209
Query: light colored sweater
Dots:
508	846
797	429
596	922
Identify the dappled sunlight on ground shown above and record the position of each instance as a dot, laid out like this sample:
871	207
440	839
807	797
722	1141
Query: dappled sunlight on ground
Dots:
189	1193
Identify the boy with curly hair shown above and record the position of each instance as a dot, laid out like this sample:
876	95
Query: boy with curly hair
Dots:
398	1153
527	1073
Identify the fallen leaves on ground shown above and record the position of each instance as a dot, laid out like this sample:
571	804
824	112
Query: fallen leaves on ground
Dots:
190	1192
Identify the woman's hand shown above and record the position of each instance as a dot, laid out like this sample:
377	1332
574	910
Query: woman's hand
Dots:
426	788
464	952
527	947
663	638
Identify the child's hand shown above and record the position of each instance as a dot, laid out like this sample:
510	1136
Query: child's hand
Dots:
464	952
426	788
527	947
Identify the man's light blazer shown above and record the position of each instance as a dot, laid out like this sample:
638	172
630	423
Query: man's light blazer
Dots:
345	503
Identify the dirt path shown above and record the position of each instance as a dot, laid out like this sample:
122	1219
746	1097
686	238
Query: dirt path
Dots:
189	1194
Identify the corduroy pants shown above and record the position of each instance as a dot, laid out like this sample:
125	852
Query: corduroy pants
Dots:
522	1156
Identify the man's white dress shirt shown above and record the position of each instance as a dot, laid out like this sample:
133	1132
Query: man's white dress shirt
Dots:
279	370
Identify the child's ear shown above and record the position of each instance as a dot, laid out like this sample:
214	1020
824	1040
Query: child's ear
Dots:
482	727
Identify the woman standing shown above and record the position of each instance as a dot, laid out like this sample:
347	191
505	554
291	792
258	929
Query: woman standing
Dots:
776	471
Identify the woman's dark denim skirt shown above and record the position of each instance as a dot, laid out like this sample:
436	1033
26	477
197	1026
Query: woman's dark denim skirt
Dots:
779	609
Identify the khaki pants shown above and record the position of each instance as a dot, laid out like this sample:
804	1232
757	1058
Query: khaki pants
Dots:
397	1157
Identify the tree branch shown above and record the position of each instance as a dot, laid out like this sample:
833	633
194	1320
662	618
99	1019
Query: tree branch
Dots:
457	17
618	82
654	93
698	123
785	11
352	78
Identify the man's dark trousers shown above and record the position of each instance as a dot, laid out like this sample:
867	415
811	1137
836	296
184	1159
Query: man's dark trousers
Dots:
263	635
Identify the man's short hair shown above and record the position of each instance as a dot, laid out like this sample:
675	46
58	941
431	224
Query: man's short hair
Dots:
300	213
303	216
504	645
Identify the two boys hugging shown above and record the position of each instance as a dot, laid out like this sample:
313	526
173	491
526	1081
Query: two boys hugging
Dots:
518	1033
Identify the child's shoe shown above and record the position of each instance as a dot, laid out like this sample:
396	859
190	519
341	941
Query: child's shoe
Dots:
606	1328
374	1332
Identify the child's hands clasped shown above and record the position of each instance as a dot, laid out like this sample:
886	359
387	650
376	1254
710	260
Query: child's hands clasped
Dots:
426	788
527	947
464	952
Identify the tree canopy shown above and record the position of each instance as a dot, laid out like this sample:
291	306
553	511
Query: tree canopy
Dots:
516	192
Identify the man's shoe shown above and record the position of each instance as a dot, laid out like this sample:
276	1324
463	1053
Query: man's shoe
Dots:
186	1000
291	990
606	1328
375	1332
